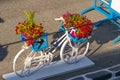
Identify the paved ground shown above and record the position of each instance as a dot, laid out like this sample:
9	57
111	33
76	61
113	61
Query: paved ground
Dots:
109	73
102	51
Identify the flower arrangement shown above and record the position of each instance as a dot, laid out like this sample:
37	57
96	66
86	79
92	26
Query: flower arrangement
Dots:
81	23
30	29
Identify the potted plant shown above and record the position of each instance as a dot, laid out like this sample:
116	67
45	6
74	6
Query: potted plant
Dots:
83	26
29	30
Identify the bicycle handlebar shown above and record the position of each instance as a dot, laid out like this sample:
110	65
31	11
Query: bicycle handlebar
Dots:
69	29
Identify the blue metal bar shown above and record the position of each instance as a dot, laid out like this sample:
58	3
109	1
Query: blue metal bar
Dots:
116	23
99	9
116	40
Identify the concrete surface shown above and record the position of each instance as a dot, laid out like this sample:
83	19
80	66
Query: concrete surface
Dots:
55	68
101	51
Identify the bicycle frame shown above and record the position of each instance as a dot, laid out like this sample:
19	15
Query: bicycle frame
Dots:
61	40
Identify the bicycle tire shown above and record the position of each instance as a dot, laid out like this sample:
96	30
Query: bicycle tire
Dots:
34	62
82	48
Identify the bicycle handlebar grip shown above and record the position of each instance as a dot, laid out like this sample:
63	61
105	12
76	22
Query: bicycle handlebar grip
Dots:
58	19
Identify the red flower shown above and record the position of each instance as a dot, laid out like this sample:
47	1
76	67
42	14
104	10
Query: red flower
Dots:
83	25
30	29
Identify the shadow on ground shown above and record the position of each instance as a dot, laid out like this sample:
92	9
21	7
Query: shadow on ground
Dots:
3	49
3	52
103	34
1	20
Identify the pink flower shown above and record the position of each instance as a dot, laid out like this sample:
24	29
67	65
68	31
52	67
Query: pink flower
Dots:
73	33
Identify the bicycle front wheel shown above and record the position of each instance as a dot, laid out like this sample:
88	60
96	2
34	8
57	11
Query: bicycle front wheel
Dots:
26	62
70	53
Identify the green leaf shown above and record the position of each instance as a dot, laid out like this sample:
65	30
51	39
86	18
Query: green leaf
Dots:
30	16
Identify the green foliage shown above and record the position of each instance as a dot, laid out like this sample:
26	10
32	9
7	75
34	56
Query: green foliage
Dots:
29	28
30	17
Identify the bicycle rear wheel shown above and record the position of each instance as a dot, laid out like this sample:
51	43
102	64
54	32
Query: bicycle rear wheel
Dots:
69	53
27	61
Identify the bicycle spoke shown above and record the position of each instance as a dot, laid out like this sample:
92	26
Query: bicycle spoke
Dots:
20	64
69	53
27	62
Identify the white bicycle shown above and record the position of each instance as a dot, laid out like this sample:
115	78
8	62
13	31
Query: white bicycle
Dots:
29	59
